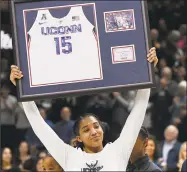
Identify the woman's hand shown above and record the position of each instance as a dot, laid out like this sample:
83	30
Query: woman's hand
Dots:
152	57
15	74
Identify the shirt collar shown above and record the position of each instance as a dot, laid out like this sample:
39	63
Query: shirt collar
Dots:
171	143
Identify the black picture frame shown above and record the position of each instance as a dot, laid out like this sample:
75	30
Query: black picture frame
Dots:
22	96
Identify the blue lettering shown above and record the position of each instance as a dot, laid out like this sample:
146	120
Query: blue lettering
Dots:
53	31
67	29
77	28
43	31
61	30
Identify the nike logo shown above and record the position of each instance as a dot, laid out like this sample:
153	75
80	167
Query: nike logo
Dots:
42	23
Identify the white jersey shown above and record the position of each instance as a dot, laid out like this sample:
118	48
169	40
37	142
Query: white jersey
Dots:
63	50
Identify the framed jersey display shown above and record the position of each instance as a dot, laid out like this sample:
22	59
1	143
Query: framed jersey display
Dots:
67	48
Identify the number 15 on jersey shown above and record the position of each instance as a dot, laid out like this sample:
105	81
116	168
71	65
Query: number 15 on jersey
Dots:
63	45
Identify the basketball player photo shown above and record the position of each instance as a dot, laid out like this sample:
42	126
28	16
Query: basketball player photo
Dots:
122	20
67	45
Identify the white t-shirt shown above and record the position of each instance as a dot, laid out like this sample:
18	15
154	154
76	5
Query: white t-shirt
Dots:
114	156
67	47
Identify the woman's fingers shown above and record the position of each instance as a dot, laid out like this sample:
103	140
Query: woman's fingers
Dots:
17	73
152	57
151	53
14	67
152	49
15	70
17	76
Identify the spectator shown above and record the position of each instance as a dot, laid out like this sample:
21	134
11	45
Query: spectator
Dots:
64	128
154	38
44	116
180	73
23	154
182	155
182	91
182	125
182	30
28	165
169	149
22	124
101	105
179	102
123	103
7	164
139	161
49	164
8	104
161	116
162	66
30	136
171	84
151	149
4	69
184	166
66	114
163	30
39	165
33	141
170	51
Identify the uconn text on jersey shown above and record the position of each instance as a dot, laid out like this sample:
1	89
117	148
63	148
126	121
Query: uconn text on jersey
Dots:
61	30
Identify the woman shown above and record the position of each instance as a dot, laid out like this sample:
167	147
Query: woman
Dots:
151	149
112	157
182	155
39	165
23	155
7	165
49	164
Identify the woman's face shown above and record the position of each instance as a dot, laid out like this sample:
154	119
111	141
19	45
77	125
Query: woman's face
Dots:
49	164
162	63
39	165
91	133
7	155
150	149
24	147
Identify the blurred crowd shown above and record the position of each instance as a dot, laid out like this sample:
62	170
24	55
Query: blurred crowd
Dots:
166	117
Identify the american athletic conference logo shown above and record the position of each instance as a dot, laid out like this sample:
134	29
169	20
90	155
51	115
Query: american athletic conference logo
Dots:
93	167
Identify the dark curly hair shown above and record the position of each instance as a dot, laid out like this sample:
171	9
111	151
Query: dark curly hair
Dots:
144	134
76	126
